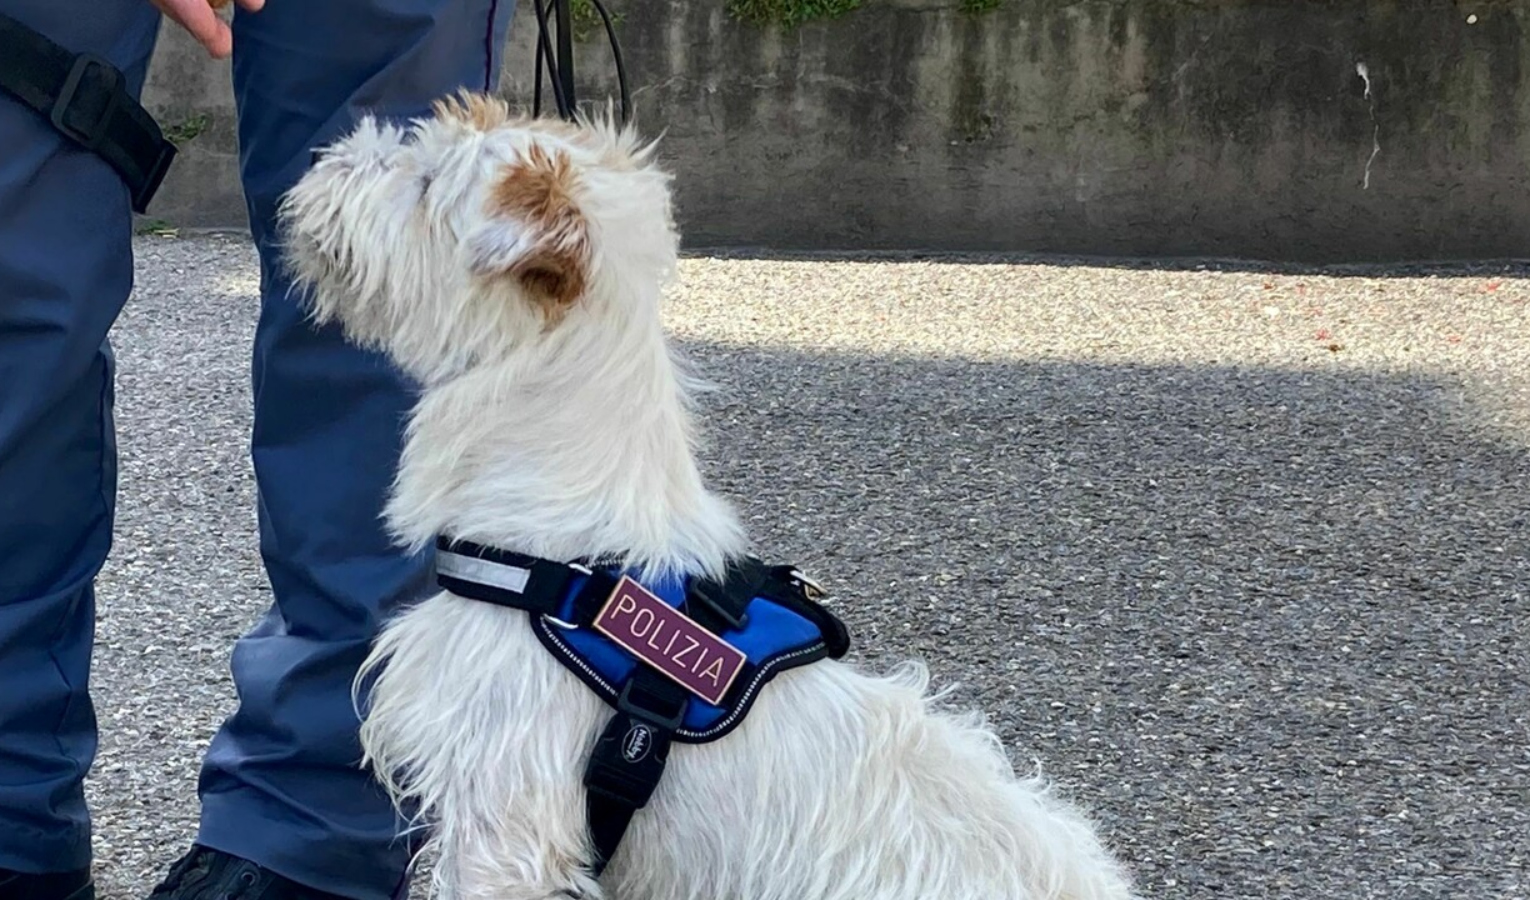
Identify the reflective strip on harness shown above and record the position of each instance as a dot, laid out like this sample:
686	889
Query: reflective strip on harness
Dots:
481	571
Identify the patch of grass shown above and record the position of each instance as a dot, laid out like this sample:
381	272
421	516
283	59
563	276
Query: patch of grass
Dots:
587	21
790	13
156	228
978	7
188	129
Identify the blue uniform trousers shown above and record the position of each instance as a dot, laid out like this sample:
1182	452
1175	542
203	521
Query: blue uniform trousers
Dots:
280	783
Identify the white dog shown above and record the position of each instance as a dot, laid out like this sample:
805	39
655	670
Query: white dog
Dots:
515	268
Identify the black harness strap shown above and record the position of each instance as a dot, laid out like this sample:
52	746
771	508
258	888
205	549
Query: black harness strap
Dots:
539	588
719	606
84	96
629	758
518	581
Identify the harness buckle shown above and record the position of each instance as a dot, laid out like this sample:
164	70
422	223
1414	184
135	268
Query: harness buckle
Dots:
668	719
94	135
628	760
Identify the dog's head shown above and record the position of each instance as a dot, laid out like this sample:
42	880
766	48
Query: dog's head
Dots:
469	234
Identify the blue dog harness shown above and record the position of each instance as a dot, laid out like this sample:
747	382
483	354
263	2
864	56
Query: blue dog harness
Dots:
768	615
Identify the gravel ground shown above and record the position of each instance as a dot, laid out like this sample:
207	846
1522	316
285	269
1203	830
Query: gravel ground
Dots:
1242	557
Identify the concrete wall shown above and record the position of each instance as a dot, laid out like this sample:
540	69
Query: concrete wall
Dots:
1232	128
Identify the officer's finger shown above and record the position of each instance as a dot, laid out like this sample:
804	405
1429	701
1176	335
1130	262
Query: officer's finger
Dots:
198	18
253	5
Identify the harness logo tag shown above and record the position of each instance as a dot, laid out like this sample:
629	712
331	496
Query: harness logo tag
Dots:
637	743
670	641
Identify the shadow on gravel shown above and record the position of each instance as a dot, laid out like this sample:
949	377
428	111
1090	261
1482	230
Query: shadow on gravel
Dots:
1507	268
1270	624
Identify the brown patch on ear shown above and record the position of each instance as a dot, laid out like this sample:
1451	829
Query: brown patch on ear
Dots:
553	283
538	192
478	110
538	189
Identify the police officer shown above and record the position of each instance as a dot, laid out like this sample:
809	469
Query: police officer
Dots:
285	811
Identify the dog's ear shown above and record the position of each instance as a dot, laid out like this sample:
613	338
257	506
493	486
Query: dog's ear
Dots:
535	232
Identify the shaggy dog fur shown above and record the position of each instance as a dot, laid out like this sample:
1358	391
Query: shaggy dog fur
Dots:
515	267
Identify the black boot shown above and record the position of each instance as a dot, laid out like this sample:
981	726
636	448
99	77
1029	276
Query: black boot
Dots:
76	885
207	874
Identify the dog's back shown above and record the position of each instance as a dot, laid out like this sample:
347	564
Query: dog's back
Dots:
841	785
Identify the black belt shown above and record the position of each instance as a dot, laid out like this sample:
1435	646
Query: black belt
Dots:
85	97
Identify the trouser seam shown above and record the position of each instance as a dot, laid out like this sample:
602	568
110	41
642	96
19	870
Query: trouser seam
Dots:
488	44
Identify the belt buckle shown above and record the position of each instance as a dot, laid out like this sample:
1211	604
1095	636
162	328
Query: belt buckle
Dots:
90	138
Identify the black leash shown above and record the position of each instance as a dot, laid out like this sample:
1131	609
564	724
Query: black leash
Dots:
559	64
84	97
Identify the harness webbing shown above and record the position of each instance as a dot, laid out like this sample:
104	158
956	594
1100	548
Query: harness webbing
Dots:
85	98
629	758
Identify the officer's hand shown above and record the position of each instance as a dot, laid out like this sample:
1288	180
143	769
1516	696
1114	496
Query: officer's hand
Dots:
201	21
